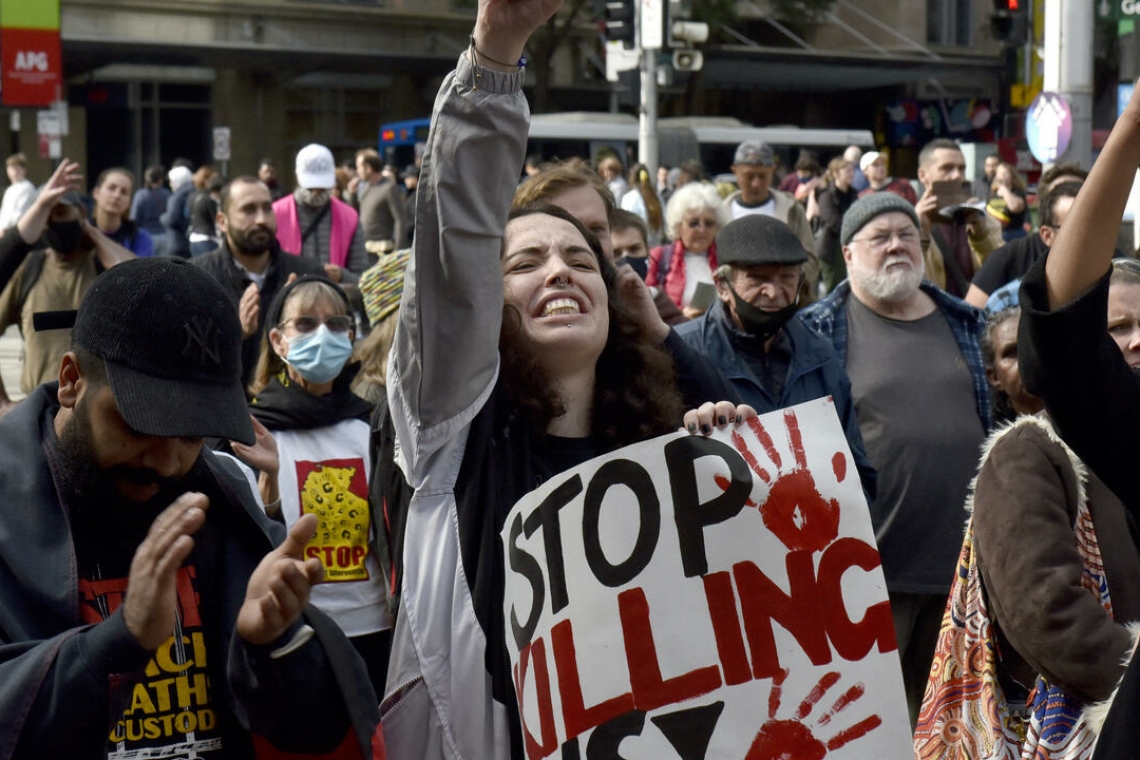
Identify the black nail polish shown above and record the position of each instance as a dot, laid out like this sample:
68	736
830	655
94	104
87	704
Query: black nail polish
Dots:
706	429
722	420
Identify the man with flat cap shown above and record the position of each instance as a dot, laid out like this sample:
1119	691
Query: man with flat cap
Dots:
772	360
913	354
148	608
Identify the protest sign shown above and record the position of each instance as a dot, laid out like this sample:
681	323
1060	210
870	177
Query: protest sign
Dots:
692	597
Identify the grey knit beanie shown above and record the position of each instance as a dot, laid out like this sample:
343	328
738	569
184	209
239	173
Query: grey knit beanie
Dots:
758	239
868	207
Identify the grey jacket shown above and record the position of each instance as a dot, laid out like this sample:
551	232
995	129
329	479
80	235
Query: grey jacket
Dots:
442	371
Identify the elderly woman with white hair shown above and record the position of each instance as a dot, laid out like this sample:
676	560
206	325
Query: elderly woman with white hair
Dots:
692	218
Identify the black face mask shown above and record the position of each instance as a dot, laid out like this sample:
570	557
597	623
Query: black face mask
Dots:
64	237
759	323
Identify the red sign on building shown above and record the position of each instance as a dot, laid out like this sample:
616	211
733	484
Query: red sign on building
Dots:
31	69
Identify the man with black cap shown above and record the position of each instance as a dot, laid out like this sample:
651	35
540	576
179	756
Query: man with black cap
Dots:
144	610
912	352
46	289
772	360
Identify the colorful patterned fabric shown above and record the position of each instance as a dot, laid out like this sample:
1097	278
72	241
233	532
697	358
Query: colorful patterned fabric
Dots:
382	285
964	713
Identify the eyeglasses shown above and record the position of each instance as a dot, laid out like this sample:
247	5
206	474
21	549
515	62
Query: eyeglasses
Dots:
698	223
908	236
337	323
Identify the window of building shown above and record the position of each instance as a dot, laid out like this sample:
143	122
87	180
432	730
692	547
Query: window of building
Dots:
948	22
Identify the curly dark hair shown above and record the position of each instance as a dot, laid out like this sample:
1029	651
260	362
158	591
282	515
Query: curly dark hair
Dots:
635	393
1000	404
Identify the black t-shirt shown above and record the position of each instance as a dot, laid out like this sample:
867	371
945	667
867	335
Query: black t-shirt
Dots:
561	454
1010	262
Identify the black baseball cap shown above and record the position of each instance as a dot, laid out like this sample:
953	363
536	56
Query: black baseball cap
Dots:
171	339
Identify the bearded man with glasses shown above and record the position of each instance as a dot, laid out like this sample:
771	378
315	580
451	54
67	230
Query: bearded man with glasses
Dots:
913	354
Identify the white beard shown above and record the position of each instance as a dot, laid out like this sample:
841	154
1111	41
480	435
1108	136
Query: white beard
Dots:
886	285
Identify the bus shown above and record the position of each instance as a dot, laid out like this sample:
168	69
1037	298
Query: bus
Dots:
710	139
401	142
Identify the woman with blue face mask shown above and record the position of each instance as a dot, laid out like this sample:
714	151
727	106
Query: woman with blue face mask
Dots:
301	394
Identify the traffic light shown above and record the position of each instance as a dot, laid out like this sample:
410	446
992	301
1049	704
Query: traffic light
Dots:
620	24
1010	22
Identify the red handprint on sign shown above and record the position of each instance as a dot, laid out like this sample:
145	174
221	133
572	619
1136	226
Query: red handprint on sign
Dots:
794	511
792	739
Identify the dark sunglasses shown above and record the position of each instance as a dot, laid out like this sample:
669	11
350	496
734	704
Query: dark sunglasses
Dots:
338	323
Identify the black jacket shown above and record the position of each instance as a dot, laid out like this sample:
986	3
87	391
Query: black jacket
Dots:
221	266
54	670
1067	358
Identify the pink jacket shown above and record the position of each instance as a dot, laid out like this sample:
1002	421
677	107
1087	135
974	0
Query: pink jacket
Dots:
674	284
344	219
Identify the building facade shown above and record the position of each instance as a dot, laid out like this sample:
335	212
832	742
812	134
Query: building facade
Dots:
148	80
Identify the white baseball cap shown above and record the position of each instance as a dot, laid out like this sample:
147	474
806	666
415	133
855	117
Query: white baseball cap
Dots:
315	168
179	176
869	158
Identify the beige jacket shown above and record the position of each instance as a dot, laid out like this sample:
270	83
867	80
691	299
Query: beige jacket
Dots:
981	246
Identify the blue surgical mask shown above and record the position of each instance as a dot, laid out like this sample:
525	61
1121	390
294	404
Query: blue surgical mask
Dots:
320	355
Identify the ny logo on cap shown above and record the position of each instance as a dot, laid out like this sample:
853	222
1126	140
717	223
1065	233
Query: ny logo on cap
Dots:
202	338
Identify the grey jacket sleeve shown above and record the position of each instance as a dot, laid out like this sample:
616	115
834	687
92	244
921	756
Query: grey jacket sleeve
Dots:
445	353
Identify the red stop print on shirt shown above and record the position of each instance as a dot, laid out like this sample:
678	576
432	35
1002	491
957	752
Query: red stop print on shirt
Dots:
794	511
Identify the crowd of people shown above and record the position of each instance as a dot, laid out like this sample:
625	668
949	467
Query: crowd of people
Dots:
257	485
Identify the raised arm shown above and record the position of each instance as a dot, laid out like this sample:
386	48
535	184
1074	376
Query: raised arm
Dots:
1064	351
445	353
1084	246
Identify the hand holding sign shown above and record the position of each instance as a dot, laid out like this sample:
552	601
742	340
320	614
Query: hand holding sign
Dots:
718	415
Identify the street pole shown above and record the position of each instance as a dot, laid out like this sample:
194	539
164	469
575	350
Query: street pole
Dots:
1069	35
647	150
650	38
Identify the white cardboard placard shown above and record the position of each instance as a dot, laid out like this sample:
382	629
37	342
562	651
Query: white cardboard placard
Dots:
692	597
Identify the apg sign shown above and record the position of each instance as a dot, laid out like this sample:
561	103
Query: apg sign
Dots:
694	597
31	68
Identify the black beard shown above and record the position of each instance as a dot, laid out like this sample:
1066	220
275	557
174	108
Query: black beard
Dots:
90	492
240	242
